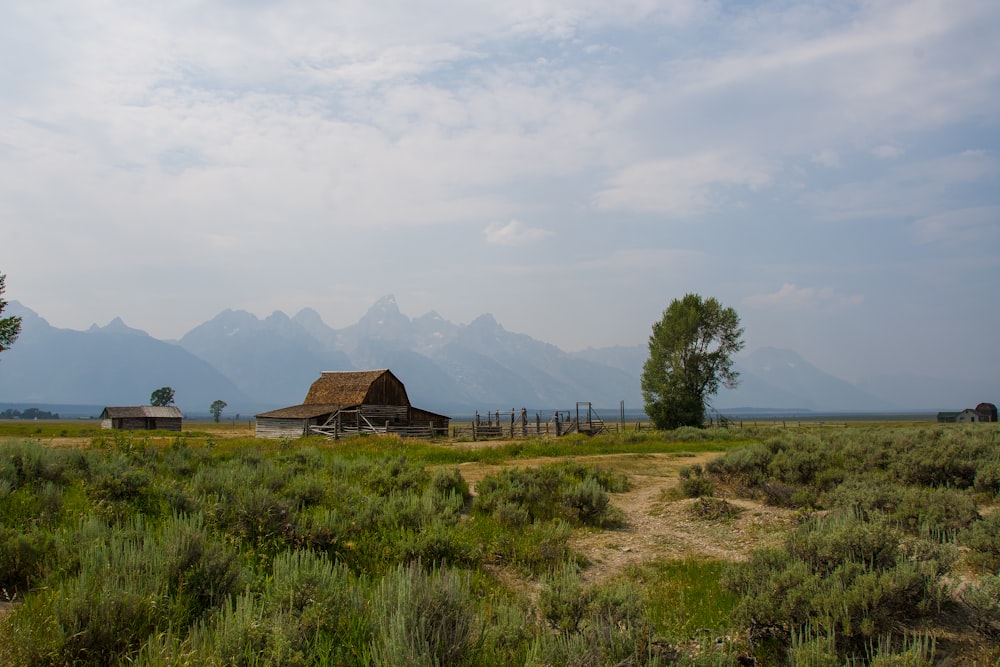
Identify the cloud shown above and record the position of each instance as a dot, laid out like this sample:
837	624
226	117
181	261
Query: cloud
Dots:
682	186
908	190
961	226
792	297
514	233
887	152
827	157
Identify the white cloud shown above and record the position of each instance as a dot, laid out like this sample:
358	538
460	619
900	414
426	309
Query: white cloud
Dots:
792	297
827	157
682	186
912	189
887	152
514	233
962	226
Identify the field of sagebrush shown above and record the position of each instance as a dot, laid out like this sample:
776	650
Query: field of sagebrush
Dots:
212	548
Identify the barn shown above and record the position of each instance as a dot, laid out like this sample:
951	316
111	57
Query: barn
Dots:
346	402
142	418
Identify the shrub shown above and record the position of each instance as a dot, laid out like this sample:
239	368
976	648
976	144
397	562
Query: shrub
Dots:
982	537
838	576
601	625
982	597
317	597
563	490
446	482
694	483
24	559
714	509
424	618
563	601
197	567
988	477
743	467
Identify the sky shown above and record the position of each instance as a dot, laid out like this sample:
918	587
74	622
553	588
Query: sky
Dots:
829	170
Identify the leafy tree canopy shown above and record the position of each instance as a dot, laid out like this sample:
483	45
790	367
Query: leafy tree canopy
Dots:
162	397
216	409
10	327
690	357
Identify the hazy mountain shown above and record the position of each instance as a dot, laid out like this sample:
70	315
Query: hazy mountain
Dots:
772	377
273	360
930	393
446	367
110	365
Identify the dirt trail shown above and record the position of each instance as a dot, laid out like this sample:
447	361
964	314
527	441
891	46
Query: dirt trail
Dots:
659	523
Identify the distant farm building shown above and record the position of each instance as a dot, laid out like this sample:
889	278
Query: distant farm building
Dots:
987	412
984	412
142	418
347	402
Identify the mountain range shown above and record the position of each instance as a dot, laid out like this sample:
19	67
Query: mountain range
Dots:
258	364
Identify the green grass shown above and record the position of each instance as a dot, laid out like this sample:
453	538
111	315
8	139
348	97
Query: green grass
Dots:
431	453
115	550
46	429
684	598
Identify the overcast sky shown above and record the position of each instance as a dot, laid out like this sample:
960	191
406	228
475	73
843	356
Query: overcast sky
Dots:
831	170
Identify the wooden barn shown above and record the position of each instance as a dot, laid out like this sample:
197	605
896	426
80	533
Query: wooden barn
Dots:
346	402
142	418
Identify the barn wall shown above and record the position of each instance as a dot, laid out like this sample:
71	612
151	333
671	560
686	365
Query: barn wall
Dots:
420	417
268	427
387	390
378	415
143	423
166	424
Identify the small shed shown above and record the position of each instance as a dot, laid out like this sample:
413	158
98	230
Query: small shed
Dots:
344	402
142	418
967	416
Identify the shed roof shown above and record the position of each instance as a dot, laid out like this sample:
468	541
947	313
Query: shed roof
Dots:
347	388
154	411
305	411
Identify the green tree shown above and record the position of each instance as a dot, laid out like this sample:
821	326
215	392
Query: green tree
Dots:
216	409
10	327
690	357
162	397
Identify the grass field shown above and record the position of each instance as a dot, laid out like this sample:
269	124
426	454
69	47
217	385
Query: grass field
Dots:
831	544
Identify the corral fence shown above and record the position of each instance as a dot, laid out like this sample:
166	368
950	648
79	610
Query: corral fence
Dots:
517	424
354	422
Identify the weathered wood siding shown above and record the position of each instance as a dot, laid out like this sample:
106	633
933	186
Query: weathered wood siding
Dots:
280	428
420	417
379	415
142	424
386	390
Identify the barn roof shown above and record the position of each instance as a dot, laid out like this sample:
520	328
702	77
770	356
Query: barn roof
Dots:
305	411
154	411
347	388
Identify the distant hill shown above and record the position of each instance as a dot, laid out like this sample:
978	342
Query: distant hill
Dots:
257	364
770	379
774	377
111	365
446	367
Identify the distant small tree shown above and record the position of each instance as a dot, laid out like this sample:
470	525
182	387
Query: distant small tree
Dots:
162	397
216	409
10	327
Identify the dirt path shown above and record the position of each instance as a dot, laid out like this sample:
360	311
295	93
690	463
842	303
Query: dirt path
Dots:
659	523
